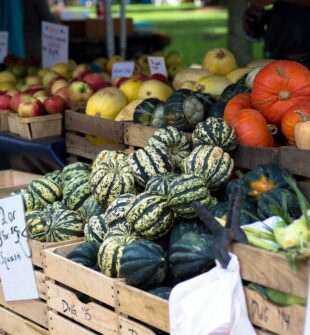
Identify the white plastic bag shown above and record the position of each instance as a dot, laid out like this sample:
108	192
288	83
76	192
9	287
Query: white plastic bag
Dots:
211	304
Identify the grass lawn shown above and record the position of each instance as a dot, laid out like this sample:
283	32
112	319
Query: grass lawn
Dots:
193	31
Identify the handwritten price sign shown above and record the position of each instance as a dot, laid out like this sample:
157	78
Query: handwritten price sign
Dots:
16	272
158	65
122	69
54	44
4	38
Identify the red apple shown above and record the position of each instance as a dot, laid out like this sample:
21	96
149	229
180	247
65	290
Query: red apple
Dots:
64	94
57	84
17	99
80	71
95	80
140	76
54	104
42	98
5	100
79	91
160	77
33	90
30	107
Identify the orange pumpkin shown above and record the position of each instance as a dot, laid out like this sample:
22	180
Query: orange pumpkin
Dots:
279	86
291	118
234	105
252	129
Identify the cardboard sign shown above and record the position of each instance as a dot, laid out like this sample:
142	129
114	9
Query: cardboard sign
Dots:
16	271
122	69
55	38
4	40
158	65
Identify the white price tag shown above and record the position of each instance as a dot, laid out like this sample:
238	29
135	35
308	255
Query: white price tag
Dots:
158	65
16	271
4	40
307	320
55	39
122	69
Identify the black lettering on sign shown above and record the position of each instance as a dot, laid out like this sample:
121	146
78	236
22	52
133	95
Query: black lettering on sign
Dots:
285	319
2	217
66	308
86	312
6	260
11	216
260	311
133	332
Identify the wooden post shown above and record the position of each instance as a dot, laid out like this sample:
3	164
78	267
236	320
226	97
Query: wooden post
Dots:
123	30
109	28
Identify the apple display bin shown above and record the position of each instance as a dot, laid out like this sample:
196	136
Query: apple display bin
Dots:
78	125
36	127
4	120
66	278
85	297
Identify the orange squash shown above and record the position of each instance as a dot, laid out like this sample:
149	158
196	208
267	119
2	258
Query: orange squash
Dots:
252	129
234	105
279	86
290	119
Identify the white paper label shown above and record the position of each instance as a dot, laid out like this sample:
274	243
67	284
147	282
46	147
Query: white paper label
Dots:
122	69
4	40
55	38
16	271
158	65
307	321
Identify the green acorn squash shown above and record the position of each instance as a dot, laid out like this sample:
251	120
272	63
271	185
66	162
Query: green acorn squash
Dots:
73	170
158	118
85	254
45	191
76	192
160	183
232	90
144	111
161	292
89	208
217	110
95	229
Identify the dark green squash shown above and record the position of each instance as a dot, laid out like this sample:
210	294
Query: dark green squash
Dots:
89	208
278	198
73	170
85	254
158	118
144	111
232	90
161	292
191	255
220	210
207	100
144	264
160	184
217	110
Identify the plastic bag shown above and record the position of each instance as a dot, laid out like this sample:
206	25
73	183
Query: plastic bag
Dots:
211	304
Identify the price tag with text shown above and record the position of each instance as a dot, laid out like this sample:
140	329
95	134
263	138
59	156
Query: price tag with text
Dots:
16	271
4	40
55	38
158	65
122	69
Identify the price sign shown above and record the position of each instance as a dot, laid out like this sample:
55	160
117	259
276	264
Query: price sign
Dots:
54	44
4	38
122	69
307	321
158	65
16	271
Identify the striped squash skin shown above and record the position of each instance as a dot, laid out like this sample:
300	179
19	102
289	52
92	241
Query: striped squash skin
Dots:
150	215
65	225
212	162
73	170
76	192
36	224
144	111
160	183
111	179
186	189
115	213
91	207
111	250
45	191
95	229
28	199
216	132
106	155
50	209
149	161
174	141
55	176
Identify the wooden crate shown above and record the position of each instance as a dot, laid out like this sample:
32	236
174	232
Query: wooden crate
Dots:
14	324
77	125
295	160
101	313
4	120
36	127
11	180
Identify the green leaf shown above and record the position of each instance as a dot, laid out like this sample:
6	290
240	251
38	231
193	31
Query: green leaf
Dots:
258	289
278	212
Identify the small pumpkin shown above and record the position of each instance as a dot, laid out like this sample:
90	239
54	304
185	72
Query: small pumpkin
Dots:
290	119
235	105
302	134
279	86
252	129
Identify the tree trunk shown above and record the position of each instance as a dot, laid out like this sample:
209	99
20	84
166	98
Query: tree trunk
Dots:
237	41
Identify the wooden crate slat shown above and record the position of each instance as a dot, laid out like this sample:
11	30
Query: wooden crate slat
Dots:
34	310
61	326
41	284
91	315
78	277
296	161
137	135
143	306
14	324
305	188
128	327
95	126
271	270
280	320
